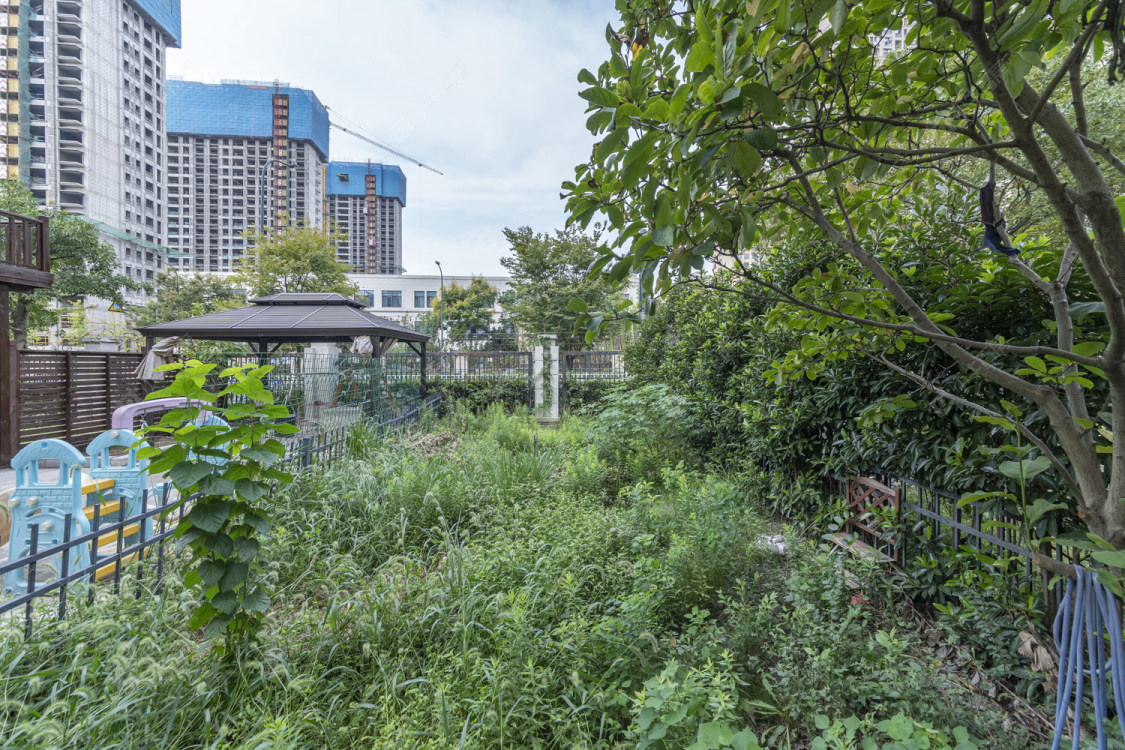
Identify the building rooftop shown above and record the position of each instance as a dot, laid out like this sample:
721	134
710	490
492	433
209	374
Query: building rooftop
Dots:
350	178
243	110
166	15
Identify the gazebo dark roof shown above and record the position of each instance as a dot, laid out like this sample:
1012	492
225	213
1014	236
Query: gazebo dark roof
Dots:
289	318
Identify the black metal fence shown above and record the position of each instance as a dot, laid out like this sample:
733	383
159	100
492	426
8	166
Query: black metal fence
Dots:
932	517
585	376
138	541
132	538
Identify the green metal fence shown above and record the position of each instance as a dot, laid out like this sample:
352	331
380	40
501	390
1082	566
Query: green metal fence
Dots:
325	393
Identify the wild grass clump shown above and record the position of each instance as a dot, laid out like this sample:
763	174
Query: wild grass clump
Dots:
487	583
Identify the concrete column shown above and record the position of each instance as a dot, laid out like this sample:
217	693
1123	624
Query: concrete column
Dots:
545	374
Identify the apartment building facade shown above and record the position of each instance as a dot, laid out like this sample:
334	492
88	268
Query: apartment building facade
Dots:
241	155
365	202
83	115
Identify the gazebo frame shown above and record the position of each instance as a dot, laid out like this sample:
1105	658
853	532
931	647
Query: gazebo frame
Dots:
295	318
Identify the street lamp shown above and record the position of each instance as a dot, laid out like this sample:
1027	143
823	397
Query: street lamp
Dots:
441	313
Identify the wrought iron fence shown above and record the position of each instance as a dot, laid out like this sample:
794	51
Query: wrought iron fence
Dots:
583	371
930	516
137	542
132	539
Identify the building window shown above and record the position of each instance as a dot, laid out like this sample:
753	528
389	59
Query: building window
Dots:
430	297
392	298
420	299
367	297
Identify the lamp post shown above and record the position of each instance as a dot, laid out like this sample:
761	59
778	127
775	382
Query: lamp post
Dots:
441	313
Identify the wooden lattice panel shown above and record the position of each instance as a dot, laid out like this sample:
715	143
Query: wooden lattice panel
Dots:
870	504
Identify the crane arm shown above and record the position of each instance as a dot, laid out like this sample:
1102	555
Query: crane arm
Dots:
385	148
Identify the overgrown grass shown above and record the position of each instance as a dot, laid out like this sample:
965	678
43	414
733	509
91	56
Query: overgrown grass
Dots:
484	583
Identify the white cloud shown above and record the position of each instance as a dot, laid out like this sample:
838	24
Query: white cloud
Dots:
483	90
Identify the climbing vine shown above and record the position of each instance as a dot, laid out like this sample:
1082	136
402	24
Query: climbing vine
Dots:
222	469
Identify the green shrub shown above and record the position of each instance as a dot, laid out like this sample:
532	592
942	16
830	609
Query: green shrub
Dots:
642	431
510	391
582	395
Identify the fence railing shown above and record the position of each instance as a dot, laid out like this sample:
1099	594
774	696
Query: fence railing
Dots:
929	515
120	542
25	250
158	505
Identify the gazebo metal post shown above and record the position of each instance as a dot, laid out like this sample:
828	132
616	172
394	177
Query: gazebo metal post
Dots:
422	388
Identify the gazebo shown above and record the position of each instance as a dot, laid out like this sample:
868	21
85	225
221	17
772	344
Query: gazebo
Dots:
295	318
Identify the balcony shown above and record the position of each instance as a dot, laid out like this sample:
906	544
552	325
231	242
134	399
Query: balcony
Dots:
25	262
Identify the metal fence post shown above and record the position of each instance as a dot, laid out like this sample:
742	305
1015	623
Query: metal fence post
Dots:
306	452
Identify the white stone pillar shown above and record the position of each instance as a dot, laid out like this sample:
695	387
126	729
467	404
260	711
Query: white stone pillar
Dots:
545	373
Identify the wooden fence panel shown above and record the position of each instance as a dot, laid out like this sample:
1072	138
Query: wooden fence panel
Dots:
72	395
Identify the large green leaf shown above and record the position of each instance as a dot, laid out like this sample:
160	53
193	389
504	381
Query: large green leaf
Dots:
210	516
1028	467
186	474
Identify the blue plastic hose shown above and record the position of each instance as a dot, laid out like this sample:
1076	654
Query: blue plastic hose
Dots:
1087	618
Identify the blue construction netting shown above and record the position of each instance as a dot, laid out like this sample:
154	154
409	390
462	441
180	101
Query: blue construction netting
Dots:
244	110
350	178
166	15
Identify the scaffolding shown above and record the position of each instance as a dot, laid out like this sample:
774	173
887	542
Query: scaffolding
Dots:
281	156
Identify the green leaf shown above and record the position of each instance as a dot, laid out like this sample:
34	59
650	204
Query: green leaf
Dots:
747	160
234	576
664	236
256	601
838	15
768	102
209	516
1030	467
763	139
246	548
1040	508
210	572
250	489
260	455
187	473
226	602
202	616
714	734
1112	558
600	97
745	740
578	305
699	58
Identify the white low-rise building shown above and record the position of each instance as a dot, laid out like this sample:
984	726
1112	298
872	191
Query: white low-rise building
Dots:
409	296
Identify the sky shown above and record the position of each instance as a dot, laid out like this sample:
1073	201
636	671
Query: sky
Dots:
484	91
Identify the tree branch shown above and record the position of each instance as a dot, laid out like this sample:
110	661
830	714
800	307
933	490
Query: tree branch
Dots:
1023	429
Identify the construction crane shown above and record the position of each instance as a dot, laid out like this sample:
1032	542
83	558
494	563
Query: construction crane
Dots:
375	143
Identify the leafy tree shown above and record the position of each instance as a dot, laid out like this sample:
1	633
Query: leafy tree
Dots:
296	258
183	295
467	311
726	124
83	265
548	275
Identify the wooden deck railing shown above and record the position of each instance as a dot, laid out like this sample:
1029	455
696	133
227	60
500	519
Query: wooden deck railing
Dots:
25	251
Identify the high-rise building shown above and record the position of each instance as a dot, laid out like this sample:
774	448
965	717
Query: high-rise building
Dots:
228	141
82	112
365	201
